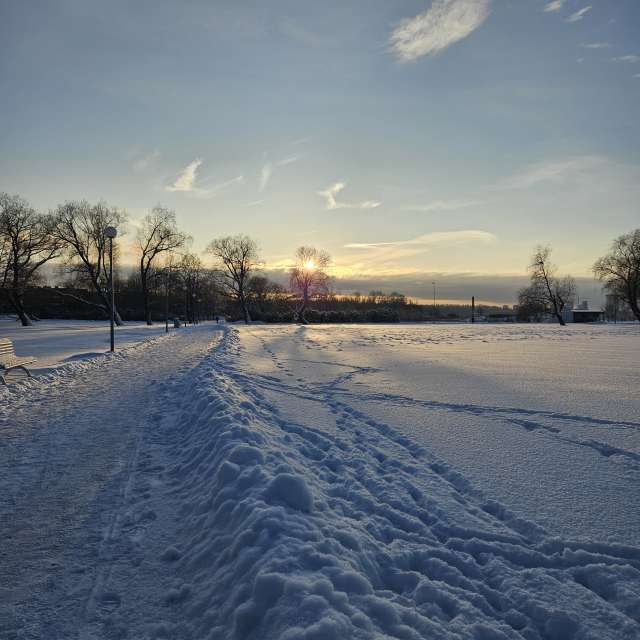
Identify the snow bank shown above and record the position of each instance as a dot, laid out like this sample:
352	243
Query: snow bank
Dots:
285	532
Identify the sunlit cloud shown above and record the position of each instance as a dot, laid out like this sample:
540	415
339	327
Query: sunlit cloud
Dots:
330	194
578	15
555	5
187	178
596	45
443	24
436	238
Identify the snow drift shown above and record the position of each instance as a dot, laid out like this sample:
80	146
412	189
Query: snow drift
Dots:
284	532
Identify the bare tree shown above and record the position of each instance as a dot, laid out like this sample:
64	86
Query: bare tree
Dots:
308	277
158	234
26	244
191	272
620	270
553	292
80	227
237	258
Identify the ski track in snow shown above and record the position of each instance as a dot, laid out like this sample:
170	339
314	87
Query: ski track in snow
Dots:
201	511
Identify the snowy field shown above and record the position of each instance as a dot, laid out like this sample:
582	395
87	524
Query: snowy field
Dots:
327	482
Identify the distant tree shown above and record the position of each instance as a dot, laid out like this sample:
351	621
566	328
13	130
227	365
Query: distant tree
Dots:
260	289
191	273
620	270
532	303
308	277
26	244
157	235
79	226
237	258
553	292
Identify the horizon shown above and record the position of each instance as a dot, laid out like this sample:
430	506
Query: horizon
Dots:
415	142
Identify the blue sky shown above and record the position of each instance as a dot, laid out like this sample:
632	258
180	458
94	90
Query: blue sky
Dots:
412	140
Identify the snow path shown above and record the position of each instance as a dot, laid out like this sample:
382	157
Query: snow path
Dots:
68	444
247	495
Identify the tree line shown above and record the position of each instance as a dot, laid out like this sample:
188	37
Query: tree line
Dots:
73	238
551	295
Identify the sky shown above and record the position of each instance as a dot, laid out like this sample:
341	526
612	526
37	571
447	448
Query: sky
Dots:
415	141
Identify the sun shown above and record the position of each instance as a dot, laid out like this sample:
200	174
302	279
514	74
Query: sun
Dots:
309	265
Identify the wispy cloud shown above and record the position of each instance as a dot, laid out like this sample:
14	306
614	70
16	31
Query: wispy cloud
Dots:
443	205
443	24
596	45
578	15
217	188
555	5
436	238
331	193
266	172
265	175
630	59
555	172
186	182
187	178
255	203
303	35
143	161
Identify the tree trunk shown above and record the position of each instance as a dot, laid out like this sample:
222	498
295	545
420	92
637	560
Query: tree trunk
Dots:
15	300
245	309
303	307
147	305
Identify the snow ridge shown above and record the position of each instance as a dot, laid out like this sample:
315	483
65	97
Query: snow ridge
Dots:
284	532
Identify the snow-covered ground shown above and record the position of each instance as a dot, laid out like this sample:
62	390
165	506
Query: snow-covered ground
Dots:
315	483
55	342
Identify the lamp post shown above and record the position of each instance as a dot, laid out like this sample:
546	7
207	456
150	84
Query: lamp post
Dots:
111	233
434	299
167	275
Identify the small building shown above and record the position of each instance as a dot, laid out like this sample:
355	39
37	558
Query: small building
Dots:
585	315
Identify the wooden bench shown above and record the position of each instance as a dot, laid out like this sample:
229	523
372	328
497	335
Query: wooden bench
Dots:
9	360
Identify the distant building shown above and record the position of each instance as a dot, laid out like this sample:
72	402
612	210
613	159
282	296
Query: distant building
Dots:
583	314
586	315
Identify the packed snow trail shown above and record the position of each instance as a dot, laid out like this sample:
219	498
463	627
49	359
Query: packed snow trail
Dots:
68	444
259	503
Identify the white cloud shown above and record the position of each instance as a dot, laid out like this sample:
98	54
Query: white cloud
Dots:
443	24
187	178
630	58
596	45
255	203
555	5
332	203
578	15
436	238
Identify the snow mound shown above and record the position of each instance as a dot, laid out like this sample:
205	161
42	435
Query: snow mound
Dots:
287	533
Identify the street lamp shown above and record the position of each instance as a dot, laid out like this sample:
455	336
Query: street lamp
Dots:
111	233
434	299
